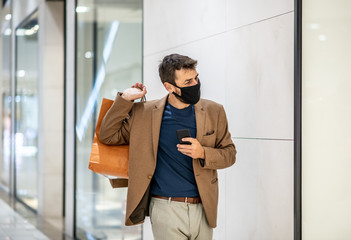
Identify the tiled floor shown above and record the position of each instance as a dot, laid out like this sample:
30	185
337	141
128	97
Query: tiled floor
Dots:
17	222
13	226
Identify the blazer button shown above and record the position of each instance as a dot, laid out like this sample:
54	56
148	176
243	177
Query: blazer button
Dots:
149	177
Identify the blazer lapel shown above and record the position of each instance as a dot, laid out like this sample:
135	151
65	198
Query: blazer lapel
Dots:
157	113
200	116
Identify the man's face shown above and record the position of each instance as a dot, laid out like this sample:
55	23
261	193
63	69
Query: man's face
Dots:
185	78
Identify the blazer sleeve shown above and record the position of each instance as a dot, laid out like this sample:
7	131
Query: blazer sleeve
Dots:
115	127
223	155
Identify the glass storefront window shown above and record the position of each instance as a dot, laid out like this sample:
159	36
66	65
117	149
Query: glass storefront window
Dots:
109	59
26	114
5	156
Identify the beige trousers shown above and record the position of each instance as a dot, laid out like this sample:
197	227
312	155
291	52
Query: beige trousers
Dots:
172	220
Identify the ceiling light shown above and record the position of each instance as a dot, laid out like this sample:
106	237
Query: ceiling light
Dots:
21	73
322	38
88	55
315	26
29	32
20	32
8	17
82	9
7	32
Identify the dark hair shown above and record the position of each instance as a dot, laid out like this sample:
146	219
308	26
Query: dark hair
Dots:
174	62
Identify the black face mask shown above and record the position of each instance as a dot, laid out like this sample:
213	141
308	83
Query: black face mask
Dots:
189	95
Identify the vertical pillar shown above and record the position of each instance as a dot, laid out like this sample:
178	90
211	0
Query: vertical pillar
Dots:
70	118
51	109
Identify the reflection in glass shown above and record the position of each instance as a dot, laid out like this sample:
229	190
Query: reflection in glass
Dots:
26	115
109	59
5	99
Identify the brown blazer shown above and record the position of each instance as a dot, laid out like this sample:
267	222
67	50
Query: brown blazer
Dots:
138	124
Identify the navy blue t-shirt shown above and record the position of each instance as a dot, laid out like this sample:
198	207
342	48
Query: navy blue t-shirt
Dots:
174	175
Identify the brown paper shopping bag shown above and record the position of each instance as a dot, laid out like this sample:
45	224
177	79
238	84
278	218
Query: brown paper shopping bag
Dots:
108	160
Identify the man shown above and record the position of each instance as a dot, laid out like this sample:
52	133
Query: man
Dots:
176	184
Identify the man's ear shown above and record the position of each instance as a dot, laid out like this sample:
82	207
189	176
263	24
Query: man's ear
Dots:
168	87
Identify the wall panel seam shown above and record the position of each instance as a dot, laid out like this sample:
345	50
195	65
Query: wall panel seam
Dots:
264	139
213	35
259	21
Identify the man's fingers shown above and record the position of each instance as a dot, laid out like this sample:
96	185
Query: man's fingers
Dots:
184	146
189	139
195	150
134	92
141	87
186	152
138	85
